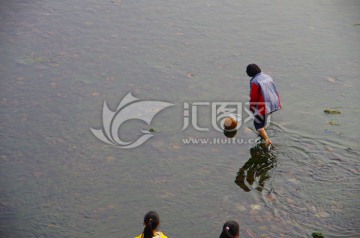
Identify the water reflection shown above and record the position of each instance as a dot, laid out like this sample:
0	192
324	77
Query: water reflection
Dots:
230	134
256	169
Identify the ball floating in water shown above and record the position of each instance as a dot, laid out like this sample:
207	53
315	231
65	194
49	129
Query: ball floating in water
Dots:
230	123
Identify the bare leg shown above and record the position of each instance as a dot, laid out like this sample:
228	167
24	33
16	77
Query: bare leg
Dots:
264	135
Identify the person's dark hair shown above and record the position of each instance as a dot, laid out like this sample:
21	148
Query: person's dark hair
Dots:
252	70
230	230
151	222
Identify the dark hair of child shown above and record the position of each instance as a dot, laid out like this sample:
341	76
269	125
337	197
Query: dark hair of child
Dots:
230	230
151	222
252	70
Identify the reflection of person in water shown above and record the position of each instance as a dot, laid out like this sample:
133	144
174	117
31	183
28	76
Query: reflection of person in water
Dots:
256	168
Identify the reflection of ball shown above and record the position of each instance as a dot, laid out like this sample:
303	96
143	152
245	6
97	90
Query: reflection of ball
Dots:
230	123
230	134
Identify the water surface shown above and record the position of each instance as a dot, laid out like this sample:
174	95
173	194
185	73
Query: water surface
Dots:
60	60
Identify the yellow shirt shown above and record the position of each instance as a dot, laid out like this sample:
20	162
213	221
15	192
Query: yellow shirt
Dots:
158	234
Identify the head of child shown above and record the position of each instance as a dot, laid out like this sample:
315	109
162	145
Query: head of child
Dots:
230	230
252	70
151	223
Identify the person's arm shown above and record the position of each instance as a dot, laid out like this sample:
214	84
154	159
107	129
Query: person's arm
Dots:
254	96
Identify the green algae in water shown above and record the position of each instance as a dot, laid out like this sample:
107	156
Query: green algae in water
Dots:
332	111
38	59
317	235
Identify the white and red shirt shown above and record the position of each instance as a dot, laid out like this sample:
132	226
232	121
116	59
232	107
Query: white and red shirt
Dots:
264	97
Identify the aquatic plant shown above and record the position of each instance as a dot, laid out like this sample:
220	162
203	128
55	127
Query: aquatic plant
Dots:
317	235
332	111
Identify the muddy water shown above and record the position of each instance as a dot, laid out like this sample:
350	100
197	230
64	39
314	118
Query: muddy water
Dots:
61	60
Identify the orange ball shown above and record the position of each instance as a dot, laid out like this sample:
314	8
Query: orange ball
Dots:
230	123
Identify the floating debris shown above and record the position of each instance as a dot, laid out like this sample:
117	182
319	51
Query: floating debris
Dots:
255	207
241	208
190	75
333	123
152	130
331	80
322	214
332	111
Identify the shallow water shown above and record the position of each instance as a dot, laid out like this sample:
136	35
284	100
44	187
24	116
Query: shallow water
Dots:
61	60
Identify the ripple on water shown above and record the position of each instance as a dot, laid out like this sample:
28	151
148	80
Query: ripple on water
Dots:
317	187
